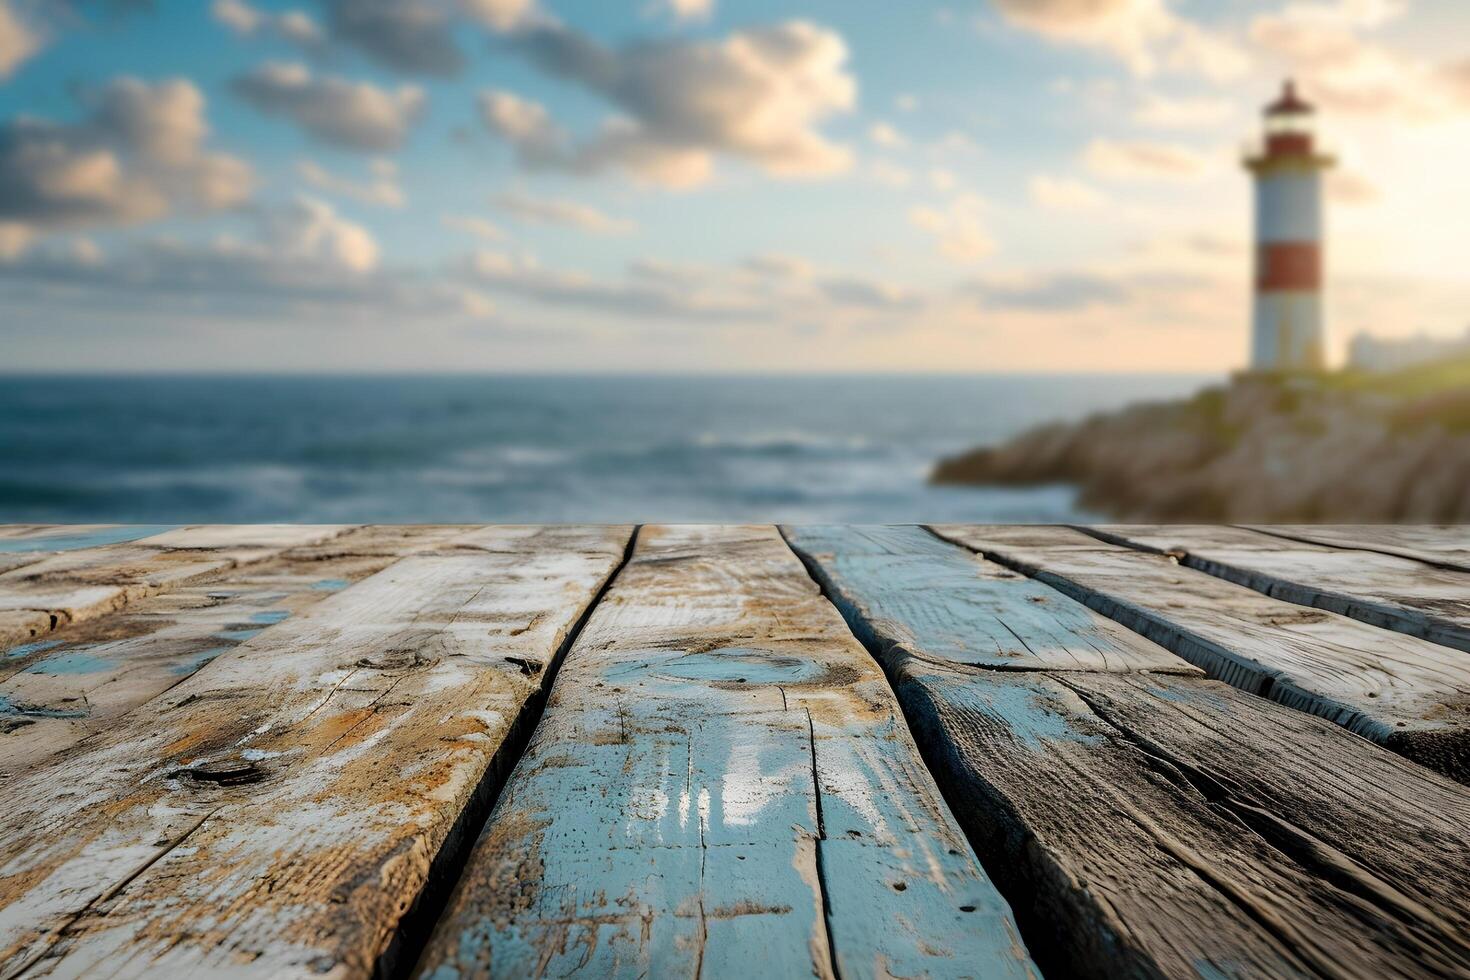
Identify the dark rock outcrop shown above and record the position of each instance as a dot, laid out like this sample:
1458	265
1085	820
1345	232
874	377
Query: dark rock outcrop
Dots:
1330	448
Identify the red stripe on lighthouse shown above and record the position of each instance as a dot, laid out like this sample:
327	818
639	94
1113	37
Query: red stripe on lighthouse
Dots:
1289	266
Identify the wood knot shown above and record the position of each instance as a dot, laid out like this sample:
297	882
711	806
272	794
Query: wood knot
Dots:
401	659
230	772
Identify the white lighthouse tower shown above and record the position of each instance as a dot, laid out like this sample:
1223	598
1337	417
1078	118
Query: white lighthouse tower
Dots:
1288	332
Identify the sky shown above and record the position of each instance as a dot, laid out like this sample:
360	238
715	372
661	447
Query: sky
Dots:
705	185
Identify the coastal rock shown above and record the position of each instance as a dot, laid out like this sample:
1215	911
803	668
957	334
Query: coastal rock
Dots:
1341	448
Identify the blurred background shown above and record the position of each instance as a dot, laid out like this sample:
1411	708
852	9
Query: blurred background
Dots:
544	260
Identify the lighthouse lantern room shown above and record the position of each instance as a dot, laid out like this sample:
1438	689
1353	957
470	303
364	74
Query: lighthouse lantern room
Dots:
1288	333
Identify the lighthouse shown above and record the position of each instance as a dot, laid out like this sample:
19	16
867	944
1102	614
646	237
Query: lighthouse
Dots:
1288	333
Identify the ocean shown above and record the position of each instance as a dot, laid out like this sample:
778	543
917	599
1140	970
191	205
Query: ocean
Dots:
187	449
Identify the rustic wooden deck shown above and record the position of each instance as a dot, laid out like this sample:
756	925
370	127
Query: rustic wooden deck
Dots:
452	751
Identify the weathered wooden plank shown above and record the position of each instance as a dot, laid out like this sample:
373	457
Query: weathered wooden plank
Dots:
721	784
64	688
1144	824
1381	590
1403	692
909	588
1169	826
23	538
227	536
277	814
72	586
1444	545
26	544
8	531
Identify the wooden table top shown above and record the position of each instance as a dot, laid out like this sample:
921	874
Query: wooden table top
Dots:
949	751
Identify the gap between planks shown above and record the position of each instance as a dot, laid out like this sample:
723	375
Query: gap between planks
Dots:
1387	591
404	951
1123	809
434	610
803	828
1405	693
1442	546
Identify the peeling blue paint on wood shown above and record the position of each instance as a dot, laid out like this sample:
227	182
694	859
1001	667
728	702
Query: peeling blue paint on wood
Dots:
26	649
190	664
369	721
902	585
721	785
63	540
1072	784
75	661
239	635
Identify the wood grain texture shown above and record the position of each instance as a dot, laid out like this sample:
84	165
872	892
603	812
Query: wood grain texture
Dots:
57	691
74	585
277	814
1444	545
1382	590
1403	692
721	785
1148	825
902	585
228	536
44	538
1173	827
25	544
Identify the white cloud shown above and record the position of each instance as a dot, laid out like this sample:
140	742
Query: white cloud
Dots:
1064	194
524	124
300	259
381	187
138	155
1193	50
1345	13
1145	34
688	10
295	26
1055	292
500	15
1162	112
759	95
638	297
569	214
890	174
354	115
15	238
1352	188
418	36
943	180
1143	160
18	40
959	228
415	36
308	231
477	227
778	266
885	135
1348	74
869	294
763	289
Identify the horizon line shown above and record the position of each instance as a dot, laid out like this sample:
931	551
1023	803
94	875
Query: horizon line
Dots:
22	373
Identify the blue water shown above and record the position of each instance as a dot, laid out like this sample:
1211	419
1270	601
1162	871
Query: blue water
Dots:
406	449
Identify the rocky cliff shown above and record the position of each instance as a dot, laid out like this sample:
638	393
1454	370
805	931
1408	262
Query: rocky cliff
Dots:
1334	448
